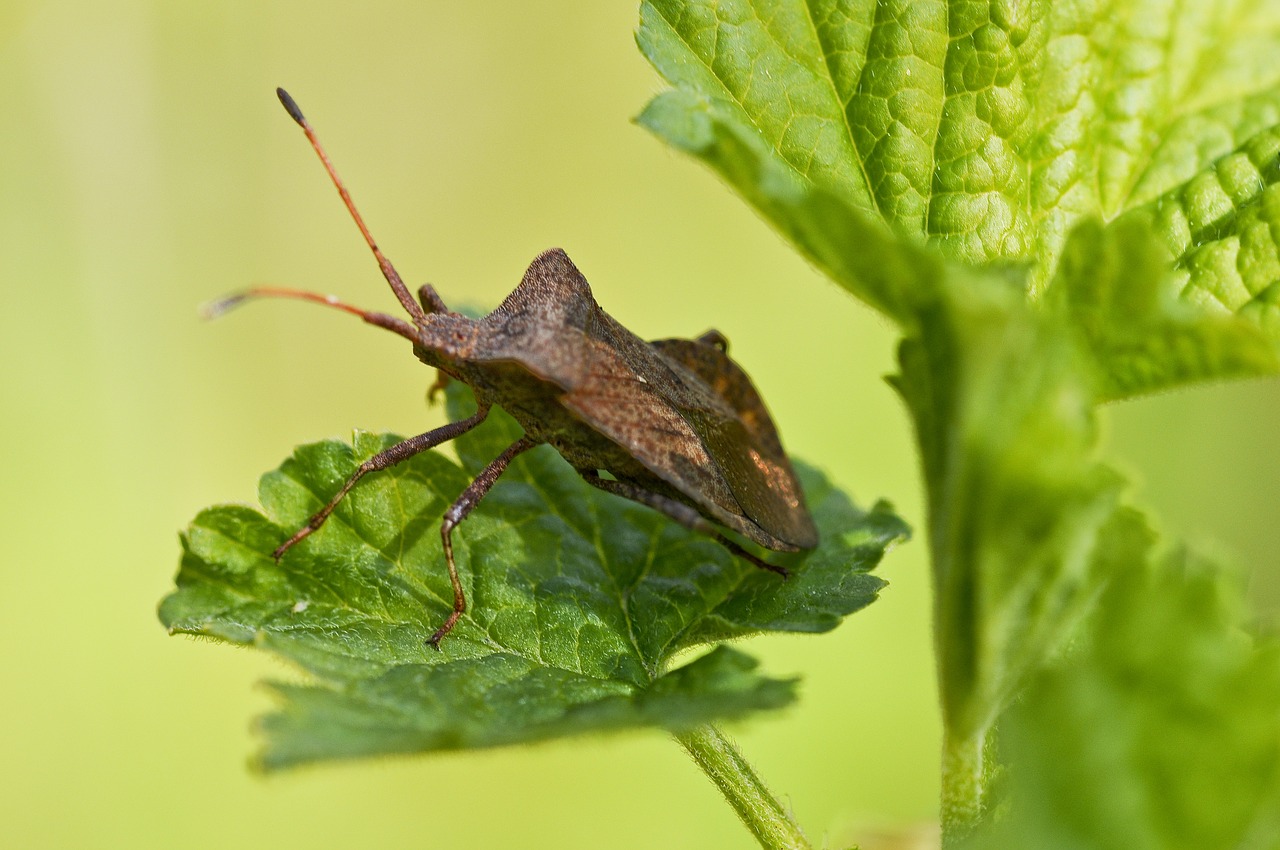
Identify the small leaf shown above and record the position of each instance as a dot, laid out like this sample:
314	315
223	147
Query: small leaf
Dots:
1120	292
578	601
1159	733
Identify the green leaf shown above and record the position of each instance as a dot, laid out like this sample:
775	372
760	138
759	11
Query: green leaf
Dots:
918	113
763	66
914	111
502	698
1182	85
1120	293
1159	733
989	131
1221	227
580	601
847	243
1027	529
1098	181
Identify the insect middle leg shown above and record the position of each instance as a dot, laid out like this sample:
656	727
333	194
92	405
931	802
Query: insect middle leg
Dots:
390	457
457	512
438	386
680	512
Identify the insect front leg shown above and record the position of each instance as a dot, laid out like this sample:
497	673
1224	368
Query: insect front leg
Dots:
433	303
382	460
457	512
430	299
680	512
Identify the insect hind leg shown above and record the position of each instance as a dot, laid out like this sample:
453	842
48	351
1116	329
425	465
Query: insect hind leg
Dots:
681	513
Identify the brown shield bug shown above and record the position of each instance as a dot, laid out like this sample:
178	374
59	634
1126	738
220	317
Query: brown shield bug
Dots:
675	423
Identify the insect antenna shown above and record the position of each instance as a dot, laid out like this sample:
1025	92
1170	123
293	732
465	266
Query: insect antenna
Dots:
388	270
214	309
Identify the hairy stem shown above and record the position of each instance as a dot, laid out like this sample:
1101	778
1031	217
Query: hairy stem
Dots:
964	785
763	814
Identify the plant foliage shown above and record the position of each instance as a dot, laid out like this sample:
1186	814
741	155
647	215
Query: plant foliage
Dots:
1060	204
582	604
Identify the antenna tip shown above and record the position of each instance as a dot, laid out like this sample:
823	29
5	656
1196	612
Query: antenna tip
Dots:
291	107
214	309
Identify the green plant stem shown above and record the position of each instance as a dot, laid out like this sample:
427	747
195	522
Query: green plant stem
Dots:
763	814
964	785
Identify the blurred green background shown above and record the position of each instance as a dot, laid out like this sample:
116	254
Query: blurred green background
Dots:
146	167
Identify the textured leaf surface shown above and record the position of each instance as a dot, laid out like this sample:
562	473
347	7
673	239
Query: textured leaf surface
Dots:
1118	293
991	131
578	602
1221	228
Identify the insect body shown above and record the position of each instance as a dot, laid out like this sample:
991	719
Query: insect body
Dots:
675	423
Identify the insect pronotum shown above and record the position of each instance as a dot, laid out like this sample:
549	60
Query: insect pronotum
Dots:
675	423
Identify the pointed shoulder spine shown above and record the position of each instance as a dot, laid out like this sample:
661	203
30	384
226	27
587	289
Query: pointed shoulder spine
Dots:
553	270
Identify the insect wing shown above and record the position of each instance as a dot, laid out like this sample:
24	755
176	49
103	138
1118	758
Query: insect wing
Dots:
680	409
689	435
635	412
745	446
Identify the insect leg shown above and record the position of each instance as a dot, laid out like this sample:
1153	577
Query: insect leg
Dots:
680	512
437	386
457	512
430	299
432	303
382	460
